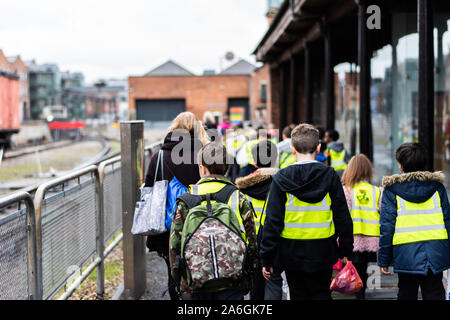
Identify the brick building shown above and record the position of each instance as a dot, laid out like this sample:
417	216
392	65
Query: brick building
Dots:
15	65
170	89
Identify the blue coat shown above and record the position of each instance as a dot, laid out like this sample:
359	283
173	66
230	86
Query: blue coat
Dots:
416	257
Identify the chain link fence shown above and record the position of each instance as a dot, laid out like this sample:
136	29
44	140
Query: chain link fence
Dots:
68	233
17	249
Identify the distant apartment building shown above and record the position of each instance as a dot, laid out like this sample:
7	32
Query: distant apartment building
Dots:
72	96
106	99
45	87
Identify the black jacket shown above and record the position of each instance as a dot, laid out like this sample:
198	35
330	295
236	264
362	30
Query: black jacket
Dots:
309	182
187	173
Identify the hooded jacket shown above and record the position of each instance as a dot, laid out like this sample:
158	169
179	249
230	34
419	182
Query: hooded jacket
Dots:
257	184
309	182
416	257
187	173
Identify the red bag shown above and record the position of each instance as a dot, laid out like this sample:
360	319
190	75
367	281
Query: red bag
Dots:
347	281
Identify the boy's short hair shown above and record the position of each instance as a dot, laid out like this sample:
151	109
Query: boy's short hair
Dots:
265	154
215	158
305	138
333	134
287	131
412	156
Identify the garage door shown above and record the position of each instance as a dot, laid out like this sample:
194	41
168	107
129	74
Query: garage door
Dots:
159	110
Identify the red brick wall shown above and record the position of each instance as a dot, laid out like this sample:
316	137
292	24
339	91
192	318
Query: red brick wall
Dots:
201	93
258	77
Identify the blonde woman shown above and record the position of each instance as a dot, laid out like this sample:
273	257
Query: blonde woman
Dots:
363	201
185	133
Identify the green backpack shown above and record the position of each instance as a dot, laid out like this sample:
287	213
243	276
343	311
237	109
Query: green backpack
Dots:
212	248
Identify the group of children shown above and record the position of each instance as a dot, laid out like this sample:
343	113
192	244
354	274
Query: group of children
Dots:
228	239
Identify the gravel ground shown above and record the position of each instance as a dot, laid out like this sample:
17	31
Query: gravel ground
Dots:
156	278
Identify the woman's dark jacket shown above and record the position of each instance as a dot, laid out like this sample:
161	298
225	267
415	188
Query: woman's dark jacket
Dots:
308	182
415	257
175	146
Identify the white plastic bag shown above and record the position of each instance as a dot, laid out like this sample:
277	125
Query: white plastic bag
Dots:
150	212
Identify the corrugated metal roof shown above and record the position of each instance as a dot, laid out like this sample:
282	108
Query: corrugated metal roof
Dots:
169	68
240	67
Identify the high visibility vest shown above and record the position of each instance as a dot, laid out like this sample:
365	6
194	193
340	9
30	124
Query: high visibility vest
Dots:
249	146
286	159
259	206
213	187
303	220
365	209
337	159
419	221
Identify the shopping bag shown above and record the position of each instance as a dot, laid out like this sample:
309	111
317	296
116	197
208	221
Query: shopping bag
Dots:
150	211
347	281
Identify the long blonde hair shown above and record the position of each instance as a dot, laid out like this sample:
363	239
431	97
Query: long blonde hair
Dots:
358	169
189	122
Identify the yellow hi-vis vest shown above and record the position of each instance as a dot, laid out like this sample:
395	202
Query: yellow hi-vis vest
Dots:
365	209
337	159
259	207
213	187
303	220
249	145
286	159
419	221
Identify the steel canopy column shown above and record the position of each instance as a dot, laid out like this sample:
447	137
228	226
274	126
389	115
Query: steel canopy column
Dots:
329	77
283	107
308	83
365	118
426	78
293	89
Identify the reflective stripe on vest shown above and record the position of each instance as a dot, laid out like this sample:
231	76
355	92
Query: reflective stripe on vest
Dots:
286	159
365	211
233	202
337	160
304	220
258	206
419	221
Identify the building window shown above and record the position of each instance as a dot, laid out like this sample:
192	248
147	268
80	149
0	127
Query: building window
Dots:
347	105
441	22
394	86
263	92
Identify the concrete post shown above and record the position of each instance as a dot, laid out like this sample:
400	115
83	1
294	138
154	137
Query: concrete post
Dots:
132	158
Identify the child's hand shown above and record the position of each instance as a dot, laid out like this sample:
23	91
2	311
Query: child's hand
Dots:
266	274
385	270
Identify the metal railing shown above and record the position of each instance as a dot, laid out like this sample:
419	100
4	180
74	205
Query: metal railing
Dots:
18	252
50	246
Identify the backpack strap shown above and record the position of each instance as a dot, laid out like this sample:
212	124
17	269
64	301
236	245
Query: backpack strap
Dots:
224	194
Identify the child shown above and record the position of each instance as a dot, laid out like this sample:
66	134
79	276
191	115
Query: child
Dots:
306	213
338	156
284	149
256	187
213	164
415	223
363	200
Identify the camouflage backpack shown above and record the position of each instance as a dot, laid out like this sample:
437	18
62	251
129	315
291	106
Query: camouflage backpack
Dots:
212	247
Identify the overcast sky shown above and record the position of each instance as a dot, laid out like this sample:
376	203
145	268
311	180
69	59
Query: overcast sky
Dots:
117	38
